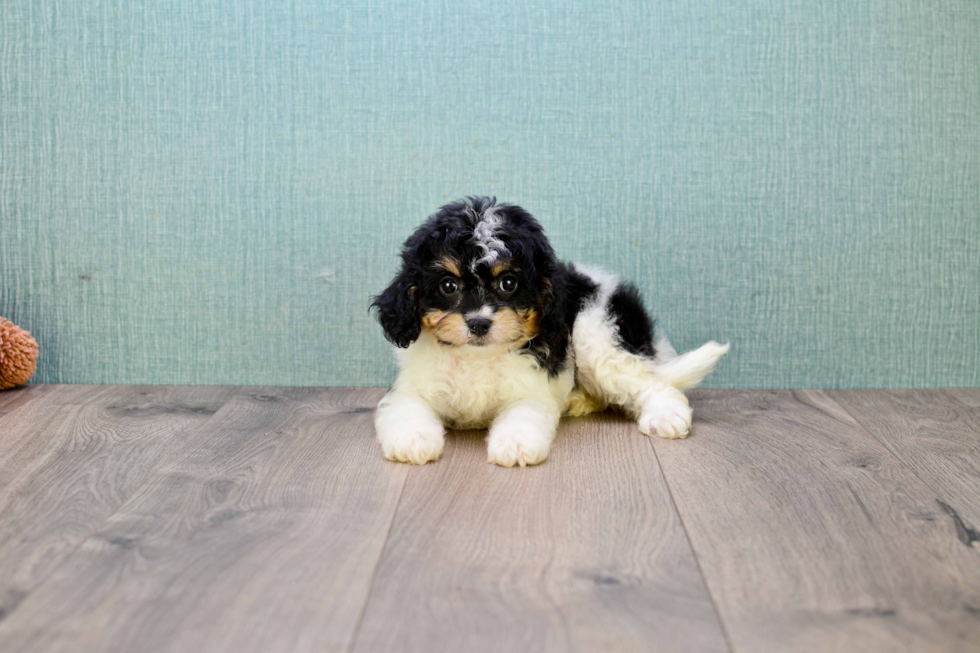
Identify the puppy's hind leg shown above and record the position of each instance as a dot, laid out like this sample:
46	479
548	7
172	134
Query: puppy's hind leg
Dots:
579	402
620	378
660	407
616	363
663	409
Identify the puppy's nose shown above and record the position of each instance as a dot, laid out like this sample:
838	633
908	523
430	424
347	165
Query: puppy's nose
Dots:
479	326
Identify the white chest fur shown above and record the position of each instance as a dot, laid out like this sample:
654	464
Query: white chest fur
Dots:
469	386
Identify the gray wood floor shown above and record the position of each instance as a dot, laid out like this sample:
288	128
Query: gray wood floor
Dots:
151	518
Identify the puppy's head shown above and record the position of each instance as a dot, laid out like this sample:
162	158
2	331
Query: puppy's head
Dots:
477	273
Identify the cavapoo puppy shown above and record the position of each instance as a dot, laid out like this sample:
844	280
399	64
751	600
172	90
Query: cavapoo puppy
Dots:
494	332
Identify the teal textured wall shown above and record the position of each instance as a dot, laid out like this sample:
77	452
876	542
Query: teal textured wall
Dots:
209	192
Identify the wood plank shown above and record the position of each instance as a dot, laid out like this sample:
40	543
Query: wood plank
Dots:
15	397
934	432
812	536
65	468
57	394
63	394
966	396
584	552
22	434
262	536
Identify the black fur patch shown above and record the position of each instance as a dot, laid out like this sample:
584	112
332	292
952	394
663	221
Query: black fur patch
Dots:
451	234
556	290
569	290
634	325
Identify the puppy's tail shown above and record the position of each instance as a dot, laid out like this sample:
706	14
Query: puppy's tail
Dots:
688	370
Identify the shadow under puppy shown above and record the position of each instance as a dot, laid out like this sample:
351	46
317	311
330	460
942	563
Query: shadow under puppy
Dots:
493	331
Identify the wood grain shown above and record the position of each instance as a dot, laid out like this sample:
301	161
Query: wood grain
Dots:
814	537
65	468
584	552
937	434
262	536
966	396
275	525
65	394
60	394
15	397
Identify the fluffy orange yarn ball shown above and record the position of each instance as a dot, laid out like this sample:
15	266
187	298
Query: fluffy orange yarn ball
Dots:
18	355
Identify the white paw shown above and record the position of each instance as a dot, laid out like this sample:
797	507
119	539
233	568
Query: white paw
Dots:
517	445
666	415
416	445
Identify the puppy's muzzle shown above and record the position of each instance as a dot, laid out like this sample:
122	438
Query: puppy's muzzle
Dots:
479	326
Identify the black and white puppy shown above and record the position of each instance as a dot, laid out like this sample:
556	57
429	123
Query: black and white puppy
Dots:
493	331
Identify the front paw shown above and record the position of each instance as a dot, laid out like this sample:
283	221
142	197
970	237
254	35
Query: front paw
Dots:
510	445
416	445
667	415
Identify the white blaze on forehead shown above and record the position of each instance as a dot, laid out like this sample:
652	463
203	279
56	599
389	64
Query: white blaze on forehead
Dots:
485	311
485	237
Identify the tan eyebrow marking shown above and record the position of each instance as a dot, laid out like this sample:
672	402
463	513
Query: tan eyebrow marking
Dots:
498	268
448	265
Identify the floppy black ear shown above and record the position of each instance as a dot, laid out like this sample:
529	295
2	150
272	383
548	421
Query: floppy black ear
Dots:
397	310
554	306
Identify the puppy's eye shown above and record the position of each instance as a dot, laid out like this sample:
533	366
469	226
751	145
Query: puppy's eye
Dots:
508	283
448	286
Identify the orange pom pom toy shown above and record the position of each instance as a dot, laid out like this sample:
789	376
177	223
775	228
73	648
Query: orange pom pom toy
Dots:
18	355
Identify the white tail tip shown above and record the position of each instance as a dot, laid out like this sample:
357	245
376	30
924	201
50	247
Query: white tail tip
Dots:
688	370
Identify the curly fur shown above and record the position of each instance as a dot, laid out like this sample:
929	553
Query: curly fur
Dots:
493	331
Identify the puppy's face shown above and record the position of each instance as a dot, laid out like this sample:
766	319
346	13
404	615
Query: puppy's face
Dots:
475	274
463	303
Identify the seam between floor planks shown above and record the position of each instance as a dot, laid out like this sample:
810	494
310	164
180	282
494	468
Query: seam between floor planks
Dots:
297	517
734	484
901	460
694	551
122	505
806	399
954	486
33	394
377	565
49	395
478	560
